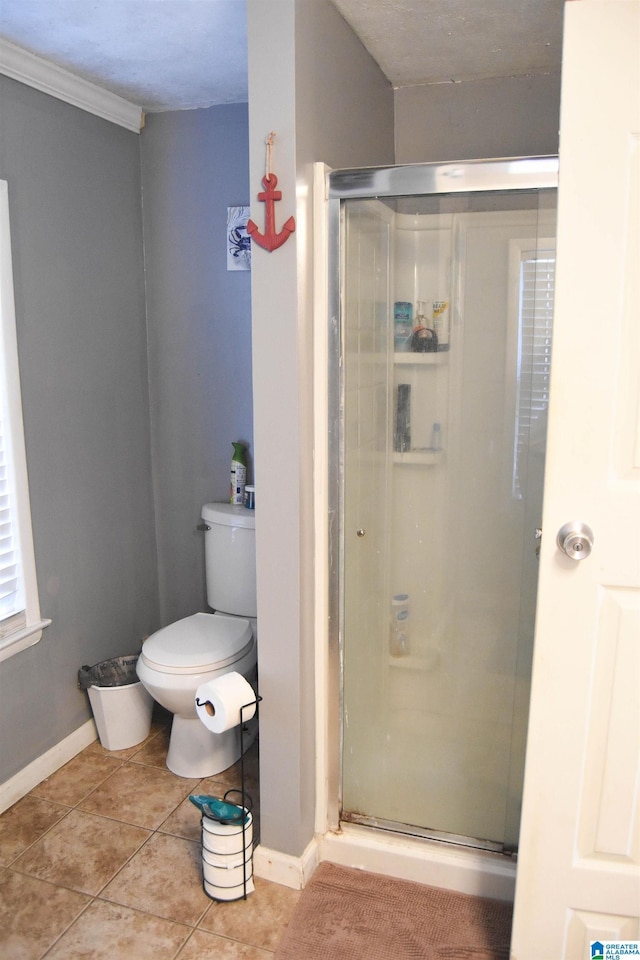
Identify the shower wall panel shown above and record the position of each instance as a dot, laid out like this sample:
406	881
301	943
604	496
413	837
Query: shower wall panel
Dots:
433	741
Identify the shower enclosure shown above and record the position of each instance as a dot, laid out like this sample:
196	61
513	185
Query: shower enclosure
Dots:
441	291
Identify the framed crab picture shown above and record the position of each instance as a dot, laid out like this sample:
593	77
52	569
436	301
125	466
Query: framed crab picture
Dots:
238	240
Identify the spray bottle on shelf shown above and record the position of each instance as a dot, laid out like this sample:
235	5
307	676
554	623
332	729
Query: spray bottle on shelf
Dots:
238	474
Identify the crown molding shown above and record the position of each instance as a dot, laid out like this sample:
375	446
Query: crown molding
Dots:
19	64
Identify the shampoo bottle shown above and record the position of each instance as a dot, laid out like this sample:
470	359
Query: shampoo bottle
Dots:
399	627
441	323
402	325
238	474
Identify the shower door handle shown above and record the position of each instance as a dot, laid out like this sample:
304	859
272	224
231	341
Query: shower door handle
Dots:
575	539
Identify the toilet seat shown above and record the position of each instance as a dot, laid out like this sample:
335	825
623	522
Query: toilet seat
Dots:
203	641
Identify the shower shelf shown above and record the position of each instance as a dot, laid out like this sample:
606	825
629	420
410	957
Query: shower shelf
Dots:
428	662
421	457
420	359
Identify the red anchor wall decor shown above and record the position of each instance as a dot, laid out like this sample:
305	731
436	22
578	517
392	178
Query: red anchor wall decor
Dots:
270	239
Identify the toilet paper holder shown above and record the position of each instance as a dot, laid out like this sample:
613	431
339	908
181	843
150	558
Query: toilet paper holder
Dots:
210	709
246	801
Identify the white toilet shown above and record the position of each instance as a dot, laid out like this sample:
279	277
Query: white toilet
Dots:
177	659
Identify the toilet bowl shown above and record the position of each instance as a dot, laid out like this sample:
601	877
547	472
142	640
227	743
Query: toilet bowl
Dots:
174	662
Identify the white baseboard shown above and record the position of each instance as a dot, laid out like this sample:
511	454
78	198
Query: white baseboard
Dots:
423	861
30	776
282	868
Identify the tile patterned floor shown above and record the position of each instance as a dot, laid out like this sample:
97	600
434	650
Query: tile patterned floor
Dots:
103	860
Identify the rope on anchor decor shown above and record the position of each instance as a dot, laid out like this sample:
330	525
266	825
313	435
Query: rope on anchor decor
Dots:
270	239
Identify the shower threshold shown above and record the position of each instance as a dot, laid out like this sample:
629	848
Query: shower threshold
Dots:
390	826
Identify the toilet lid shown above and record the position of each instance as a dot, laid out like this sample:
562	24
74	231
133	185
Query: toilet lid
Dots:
198	642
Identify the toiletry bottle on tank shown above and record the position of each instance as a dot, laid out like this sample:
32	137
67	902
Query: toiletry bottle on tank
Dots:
238	474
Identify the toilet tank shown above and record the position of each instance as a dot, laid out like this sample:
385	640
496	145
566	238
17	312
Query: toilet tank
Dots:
230	558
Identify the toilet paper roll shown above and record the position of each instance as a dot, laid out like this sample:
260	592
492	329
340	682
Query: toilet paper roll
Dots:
218	702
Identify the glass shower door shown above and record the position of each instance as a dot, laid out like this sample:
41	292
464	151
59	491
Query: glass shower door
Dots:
367	493
443	435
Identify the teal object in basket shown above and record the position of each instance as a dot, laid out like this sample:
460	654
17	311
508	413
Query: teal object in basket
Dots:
219	810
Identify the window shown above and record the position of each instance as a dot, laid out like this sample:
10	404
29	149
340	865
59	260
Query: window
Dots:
20	621
534	274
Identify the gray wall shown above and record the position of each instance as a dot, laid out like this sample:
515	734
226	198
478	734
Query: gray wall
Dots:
107	468
343	103
502	117
194	165
74	195
312	82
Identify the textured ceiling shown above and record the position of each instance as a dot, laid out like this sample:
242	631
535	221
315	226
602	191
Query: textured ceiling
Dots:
160	54
435	41
180	54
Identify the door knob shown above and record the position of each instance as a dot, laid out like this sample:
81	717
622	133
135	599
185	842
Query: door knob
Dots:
575	539
361	532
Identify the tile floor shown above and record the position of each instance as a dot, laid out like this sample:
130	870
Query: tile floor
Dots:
103	860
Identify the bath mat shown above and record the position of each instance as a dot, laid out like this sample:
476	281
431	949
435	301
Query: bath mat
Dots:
348	914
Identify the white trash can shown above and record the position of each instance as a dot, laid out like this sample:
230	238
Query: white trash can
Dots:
121	705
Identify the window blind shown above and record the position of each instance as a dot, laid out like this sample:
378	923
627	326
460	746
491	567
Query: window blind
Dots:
21	625
537	287
12	614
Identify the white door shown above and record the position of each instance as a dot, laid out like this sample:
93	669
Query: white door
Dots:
579	863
